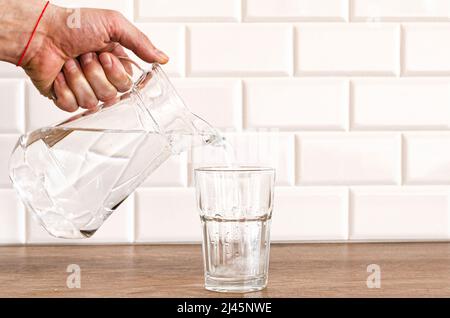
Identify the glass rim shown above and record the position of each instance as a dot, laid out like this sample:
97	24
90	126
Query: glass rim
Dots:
239	169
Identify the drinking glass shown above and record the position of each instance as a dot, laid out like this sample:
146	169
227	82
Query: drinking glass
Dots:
235	206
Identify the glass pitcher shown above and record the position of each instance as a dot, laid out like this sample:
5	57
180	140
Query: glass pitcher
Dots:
73	175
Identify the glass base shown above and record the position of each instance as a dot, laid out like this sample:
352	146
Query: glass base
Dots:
227	285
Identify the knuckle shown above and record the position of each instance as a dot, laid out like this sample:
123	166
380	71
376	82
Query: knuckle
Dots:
114	19
106	95
124	86
91	103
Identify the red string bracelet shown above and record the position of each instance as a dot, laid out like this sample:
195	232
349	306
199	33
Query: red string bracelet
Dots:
32	34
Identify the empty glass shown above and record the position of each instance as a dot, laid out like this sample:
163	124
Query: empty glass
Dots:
73	175
235	206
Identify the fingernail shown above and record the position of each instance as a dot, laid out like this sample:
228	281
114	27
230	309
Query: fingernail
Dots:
105	59
86	58
163	58
70	65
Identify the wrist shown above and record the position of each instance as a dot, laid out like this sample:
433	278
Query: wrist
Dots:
16	26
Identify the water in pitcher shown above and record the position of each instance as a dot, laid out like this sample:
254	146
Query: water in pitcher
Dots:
75	178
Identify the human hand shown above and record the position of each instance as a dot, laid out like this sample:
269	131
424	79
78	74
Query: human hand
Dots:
78	67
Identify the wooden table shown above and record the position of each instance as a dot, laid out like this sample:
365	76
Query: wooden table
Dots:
296	270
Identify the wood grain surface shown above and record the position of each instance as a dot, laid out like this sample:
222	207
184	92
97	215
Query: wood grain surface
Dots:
296	270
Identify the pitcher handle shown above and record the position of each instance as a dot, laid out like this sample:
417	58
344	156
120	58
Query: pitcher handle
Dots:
143	73
123	58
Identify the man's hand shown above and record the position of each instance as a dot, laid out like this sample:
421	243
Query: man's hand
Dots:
79	66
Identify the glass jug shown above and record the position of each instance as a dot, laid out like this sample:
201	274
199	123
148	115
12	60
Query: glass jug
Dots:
73	175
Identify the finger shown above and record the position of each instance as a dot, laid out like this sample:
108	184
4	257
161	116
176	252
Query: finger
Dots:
120	51
65	99
93	71
125	33
79	84
115	72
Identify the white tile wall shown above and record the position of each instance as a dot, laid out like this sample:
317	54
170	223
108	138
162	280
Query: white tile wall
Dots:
296	104
11	71
295	10
427	158
240	49
310	214
171	40
7	144
348	99
399	213
192	10
347	49
400	10
394	104
217	100
346	159
425	50
12	119
12	218
252	149
123	6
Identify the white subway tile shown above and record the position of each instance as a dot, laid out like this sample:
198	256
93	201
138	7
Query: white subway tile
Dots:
252	149
275	150
218	101
240	49
400	10
123	6
169	38
347	49
118	228
173	172
394	213
426	50
41	111
7	144
289	104
427	158
401	104
12	119
167	215
295	10
348	158
12	218
9	70
192	10
310	214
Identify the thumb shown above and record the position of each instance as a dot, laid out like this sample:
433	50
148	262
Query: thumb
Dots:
125	33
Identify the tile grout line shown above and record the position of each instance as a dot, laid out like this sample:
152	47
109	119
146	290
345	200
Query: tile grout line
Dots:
187	51
402	61
403	161
350	210
244	115
134	6
294	51
132	224
350	11
26	106
350	107
135	217
297	163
